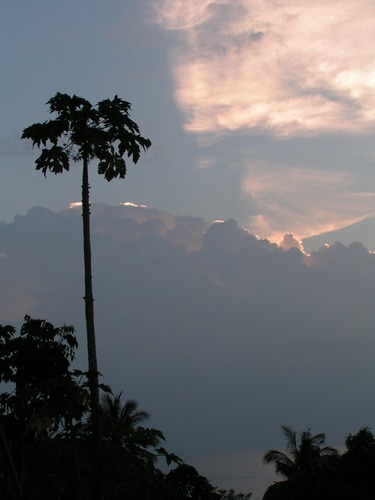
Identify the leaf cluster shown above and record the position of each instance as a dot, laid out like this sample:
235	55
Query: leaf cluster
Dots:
312	471
82	131
303	457
36	363
187	483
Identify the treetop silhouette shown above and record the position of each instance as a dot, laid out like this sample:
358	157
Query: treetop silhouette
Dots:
82	132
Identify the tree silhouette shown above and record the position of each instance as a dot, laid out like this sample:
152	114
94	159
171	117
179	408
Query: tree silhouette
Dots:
301	466
129	451
119	420
356	473
45	392
188	484
43	399
45	437
82	132
121	427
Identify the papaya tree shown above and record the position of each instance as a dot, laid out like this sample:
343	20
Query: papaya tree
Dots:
82	132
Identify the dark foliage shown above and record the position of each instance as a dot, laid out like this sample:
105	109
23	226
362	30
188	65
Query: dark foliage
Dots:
83	131
313	472
186	483
45	392
45	404
45	437
357	466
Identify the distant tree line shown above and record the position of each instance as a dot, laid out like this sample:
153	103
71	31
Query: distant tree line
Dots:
46	444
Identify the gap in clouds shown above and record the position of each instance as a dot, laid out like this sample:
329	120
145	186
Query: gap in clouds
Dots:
309	201
302	185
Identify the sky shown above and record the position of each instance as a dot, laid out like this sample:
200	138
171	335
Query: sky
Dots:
261	114
261	111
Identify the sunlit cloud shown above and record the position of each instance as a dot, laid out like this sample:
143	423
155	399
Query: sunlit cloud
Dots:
289	67
304	201
289	241
131	204
75	204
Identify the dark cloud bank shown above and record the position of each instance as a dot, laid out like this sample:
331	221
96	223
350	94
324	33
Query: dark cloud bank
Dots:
222	337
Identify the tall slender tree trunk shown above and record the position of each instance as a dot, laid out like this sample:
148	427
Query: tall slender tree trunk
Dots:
93	374
13	469
89	297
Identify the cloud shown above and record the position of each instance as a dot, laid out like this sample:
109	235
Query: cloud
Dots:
290	67
236	334
339	256
288	241
363	231
308	200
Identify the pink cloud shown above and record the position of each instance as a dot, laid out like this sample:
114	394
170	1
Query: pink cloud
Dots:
304	200
289	241
290	67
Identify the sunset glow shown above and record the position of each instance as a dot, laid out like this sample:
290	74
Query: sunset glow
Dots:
233	266
130	204
291	68
307	200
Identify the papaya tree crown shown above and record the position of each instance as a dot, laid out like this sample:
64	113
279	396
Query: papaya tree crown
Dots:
82	131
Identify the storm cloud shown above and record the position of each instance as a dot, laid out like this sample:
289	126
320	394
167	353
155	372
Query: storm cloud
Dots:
220	335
